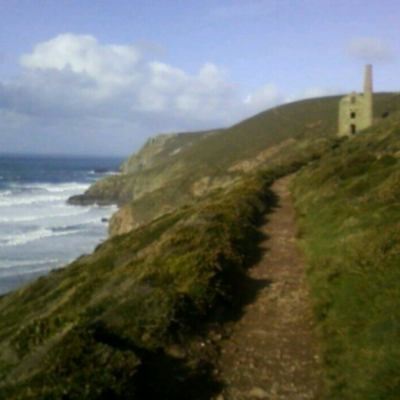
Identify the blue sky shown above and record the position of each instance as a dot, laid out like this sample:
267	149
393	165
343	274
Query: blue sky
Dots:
100	77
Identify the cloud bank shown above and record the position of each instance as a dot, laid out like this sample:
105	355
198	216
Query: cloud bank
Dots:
80	76
76	95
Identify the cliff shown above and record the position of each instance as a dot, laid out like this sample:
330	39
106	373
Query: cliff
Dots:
155	164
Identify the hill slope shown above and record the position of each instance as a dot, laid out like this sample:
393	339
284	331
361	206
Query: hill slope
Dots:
146	305
349	213
173	170
139	308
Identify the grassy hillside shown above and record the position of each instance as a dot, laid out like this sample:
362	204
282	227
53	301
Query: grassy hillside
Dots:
349	213
179	168
136	313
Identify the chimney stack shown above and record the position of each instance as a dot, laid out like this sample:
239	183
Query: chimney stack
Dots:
368	79
367	119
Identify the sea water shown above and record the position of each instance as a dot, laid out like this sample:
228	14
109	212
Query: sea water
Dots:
39	231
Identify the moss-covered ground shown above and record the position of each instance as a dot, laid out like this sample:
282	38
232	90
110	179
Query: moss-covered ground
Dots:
102	327
348	205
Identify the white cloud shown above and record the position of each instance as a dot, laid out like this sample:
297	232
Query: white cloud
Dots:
75	90
72	84
370	50
79	67
111	67
264	98
83	54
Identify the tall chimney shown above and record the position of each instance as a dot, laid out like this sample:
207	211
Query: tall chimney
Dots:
367	118
368	79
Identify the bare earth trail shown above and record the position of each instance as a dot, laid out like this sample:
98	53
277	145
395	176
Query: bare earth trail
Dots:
271	352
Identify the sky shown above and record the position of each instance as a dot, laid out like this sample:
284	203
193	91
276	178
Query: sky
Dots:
99	77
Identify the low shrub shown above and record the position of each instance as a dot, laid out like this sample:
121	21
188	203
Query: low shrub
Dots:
389	191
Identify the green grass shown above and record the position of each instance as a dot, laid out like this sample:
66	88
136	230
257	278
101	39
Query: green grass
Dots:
348	205
88	331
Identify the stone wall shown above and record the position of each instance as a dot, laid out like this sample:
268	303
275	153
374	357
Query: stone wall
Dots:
355	114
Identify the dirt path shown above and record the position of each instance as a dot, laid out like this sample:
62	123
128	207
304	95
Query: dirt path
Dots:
271	352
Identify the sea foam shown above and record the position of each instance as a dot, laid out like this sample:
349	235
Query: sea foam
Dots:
43	233
15	201
32	218
39	231
7	264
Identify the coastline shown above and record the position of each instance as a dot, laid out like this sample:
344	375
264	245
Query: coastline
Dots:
39	231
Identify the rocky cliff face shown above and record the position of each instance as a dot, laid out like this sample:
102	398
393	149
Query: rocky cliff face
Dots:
147	156
153	181
165	199
152	167
121	188
122	221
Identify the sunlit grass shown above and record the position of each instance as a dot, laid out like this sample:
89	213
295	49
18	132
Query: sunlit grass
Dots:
349	215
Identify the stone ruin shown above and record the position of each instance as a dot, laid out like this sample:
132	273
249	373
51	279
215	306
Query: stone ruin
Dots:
356	109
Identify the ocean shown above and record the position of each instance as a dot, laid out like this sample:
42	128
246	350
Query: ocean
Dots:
38	230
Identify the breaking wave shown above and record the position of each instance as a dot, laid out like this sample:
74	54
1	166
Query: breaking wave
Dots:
43	233
32	218
7	264
28	200
39	231
27	271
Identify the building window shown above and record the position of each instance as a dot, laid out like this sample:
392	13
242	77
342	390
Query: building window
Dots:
353	100
353	129
353	115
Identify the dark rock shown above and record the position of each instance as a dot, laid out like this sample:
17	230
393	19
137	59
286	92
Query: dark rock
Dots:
84	200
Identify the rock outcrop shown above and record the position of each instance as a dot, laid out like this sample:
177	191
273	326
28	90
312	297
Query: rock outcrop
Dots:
122	221
154	166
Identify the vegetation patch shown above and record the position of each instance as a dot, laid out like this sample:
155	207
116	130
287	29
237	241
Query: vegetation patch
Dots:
92	329
349	218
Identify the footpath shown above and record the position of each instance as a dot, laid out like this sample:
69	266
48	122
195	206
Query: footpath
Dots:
271	352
